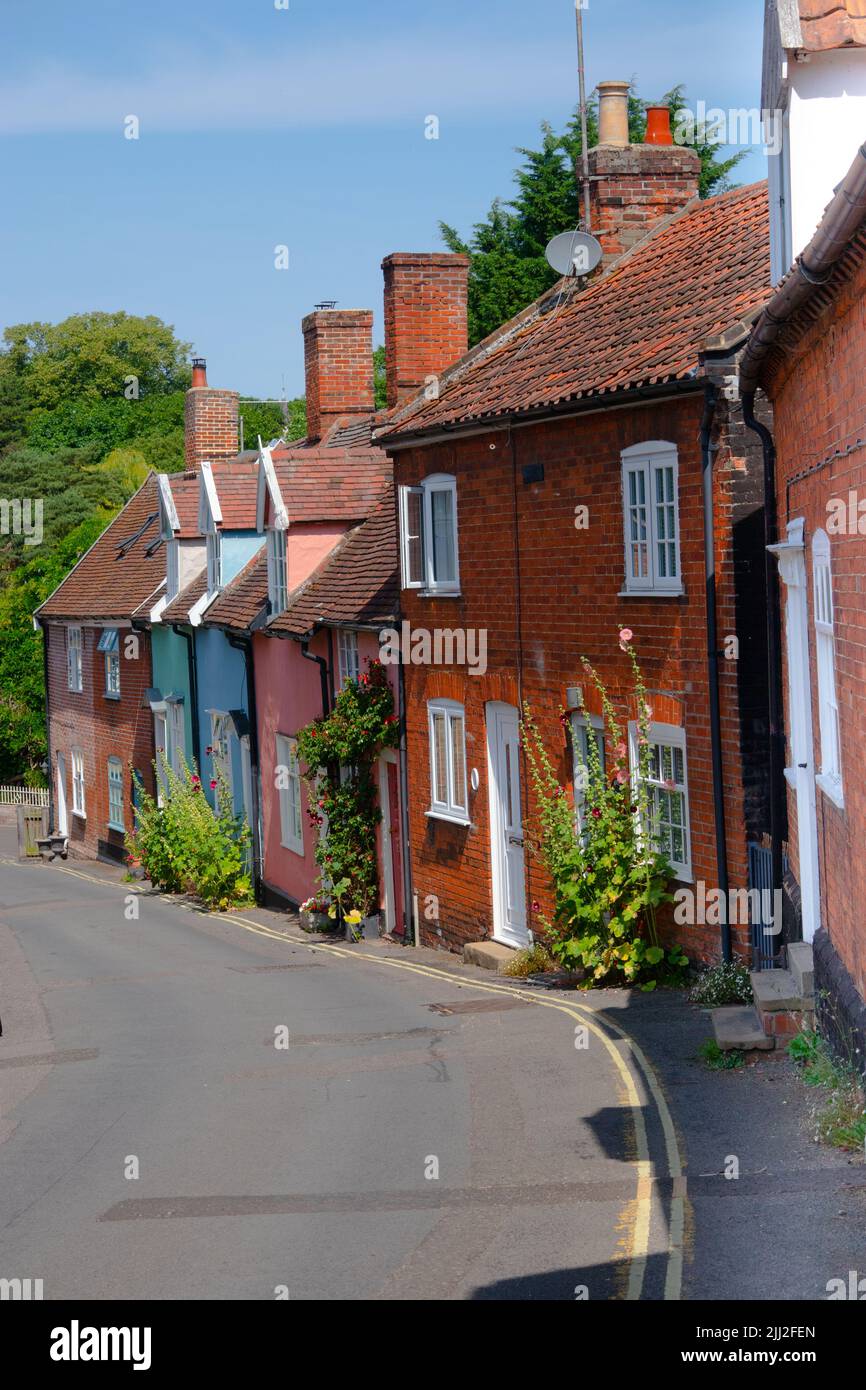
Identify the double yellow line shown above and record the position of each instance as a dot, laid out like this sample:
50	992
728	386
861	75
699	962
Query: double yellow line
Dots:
627	1056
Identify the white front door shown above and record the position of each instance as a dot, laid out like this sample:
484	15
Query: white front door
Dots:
506	825
62	826
801	772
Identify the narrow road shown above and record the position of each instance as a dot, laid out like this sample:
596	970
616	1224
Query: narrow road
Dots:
194	1110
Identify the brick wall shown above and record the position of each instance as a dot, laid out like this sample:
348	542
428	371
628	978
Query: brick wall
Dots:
338	361
819	402
568	604
634	186
101	728
210	424
426	324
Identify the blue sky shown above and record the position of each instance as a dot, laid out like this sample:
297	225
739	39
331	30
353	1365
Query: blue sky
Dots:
302	126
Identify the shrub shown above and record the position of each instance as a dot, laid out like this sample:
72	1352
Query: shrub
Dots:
839	1111
726	983
719	1060
185	846
607	874
532	960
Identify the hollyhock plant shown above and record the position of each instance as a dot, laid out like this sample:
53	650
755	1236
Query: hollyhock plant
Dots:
607	874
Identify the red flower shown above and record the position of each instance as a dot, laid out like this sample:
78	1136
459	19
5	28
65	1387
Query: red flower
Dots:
213	786
208	750
596	812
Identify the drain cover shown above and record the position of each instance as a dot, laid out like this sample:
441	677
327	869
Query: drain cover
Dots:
479	1006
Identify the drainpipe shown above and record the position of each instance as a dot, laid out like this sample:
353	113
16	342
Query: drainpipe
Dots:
774	645
324	671
193	685
708	449
51	799
244	644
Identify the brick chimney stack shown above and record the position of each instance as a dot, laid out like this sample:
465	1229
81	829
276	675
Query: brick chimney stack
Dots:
633	187
210	420
426	318
338	361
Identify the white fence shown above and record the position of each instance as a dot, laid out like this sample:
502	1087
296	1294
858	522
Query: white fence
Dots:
23	796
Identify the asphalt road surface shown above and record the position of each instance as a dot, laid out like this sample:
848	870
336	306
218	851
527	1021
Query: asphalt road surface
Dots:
203	1108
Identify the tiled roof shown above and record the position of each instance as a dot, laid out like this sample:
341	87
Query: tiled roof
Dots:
184	491
122	569
178	610
244	598
828	24
357	583
330	484
235	481
639	325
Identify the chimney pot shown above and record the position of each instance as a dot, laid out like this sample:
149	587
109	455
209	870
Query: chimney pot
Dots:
658	125
199	372
613	113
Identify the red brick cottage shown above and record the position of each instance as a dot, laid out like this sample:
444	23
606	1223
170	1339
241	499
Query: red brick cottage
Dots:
808	354
554	487
97	672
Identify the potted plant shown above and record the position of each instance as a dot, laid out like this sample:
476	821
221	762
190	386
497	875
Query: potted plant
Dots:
314	914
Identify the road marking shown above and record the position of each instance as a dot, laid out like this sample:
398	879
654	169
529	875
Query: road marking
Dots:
641	1224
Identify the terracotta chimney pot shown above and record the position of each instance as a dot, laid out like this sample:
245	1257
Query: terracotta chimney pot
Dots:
658	125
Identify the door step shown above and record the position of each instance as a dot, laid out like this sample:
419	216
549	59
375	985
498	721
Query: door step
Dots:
489	955
738	1027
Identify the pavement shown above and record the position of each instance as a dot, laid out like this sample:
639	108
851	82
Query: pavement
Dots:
196	1106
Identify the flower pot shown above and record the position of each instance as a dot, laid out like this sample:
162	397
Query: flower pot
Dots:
370	927
315	921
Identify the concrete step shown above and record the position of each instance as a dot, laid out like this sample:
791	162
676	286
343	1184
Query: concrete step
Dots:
738	1026
801	966
489	955
775	989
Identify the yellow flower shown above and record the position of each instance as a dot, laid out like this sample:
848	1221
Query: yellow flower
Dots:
354	917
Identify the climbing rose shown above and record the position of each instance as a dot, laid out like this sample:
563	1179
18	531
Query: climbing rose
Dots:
213	785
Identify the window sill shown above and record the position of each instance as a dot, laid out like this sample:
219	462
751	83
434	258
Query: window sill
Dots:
293	849
790	775
121	829
652	593
79	815
682	874
431	593
449	817
832	789
111	694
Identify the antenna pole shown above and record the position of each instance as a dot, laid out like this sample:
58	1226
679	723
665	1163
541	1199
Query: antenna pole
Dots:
578	14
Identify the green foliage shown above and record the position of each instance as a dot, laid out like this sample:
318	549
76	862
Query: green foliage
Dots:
607	876
726	983
509	269
719	1060
532	960
265	419
185	846
379	378
839	1112
340	751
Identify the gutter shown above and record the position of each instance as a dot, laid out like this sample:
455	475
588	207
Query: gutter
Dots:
244	643
708	449
842	220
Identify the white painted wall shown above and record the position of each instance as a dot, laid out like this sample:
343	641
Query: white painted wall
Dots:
826	123
192	557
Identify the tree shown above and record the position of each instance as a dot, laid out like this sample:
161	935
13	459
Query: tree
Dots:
509	269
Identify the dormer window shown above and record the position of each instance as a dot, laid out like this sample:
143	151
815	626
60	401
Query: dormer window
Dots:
278	589
214	562
172	569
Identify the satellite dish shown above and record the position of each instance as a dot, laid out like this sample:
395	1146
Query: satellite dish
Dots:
573	253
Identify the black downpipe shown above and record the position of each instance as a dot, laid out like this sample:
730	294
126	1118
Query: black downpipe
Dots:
403	764
324	674
52	807
245	645
193	688
707	451
778	804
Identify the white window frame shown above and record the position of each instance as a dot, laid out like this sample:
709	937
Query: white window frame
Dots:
669	736
221	735
450	807
350	661
213	545
109	645
829	779
160	743
278	574
290	798
426	581
175	735
172	569
115	794
581	723
79	796
74	645
646	461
